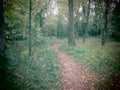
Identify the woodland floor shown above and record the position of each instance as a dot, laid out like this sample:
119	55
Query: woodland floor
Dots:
57	66
74	76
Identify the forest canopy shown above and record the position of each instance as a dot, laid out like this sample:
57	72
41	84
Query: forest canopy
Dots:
50	18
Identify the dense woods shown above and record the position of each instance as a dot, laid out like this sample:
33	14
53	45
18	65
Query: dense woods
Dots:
2	35
86	18
27	25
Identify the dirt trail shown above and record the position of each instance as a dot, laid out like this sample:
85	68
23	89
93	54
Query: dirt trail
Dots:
74	76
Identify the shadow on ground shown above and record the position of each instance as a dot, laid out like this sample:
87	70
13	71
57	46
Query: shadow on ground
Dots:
6	76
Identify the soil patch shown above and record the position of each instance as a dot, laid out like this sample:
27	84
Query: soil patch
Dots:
74	76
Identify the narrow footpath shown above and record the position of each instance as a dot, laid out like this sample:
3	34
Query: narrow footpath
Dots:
74	76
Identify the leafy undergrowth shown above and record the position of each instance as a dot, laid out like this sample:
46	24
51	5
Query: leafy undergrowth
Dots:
103	60
40	72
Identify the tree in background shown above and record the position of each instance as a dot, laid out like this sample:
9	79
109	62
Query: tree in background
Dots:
71	37
86	12
105	29
40	8
30	44
51	18
59	27
62	20
2	36
78	14
15	21
115	20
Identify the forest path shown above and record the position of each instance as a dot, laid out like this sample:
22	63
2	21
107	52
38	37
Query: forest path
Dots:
74	76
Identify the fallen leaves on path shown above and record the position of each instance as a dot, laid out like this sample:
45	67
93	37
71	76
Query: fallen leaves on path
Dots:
74	76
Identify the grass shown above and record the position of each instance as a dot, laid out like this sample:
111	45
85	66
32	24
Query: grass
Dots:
102	60
40	72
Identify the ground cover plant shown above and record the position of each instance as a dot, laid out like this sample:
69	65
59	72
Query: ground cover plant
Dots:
59	44
40	72
102	60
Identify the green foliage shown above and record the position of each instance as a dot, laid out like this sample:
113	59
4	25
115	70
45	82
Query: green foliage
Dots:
15	15
40	42
41	71
102	60
115	18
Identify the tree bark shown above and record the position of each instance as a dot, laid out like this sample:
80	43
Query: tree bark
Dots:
71	37
86	16
105	30
76	29
41	20
2	36
59	27
30	11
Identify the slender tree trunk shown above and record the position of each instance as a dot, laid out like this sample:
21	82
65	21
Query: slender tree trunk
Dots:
76	29
96	16
105	30
58	31
99	25
71	37
2	36
30	44
84	31
41	21
103	37
59	27
85	25
77	23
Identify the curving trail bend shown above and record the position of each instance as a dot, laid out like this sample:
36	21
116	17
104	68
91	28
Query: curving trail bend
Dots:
74	76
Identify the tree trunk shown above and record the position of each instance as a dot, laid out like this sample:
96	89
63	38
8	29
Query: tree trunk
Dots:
71	37
85	24
59	27
103	37
58	31
41	21
2	36
76	29
84	31
30	10
104	31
